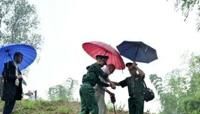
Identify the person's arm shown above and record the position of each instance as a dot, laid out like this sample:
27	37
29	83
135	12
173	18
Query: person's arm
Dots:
96	68
3	73
6	73
101	73
20	75
122	83
116	83
101	83
141	73
112	85
105	77
109	92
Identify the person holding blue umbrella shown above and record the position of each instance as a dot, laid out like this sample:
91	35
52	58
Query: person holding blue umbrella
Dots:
135	88
12	88
14	58
140	52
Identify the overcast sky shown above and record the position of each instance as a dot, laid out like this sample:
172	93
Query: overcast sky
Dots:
66	24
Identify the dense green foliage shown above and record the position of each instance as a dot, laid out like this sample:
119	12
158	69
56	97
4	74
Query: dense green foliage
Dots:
19	23
179	91
189	6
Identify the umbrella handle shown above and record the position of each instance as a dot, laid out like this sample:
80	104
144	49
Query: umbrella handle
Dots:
7	50
9	56
136	52
105	52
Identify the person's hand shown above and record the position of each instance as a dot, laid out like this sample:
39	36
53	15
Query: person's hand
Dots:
111	94
17	82
19	77
112	85
134	64
112	98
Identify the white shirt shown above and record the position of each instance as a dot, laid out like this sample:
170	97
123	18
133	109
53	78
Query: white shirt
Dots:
17	74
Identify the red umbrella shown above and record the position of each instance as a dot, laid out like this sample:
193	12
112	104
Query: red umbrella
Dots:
99	48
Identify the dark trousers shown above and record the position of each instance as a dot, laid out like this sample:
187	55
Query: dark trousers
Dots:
8	107
136	105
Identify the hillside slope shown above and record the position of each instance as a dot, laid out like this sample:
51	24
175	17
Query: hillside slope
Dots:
47	107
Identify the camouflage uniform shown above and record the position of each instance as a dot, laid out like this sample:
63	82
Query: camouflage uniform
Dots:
136	93
87	92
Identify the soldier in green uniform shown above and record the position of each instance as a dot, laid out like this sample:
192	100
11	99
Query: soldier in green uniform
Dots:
90	79
135	88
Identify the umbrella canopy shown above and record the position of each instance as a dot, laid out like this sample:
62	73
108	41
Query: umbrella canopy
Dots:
137	51
99	48
7	52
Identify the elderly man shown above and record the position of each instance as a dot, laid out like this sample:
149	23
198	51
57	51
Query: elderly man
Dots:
136	88
100	91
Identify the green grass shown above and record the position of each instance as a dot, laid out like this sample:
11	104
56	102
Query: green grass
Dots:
45	107
51	107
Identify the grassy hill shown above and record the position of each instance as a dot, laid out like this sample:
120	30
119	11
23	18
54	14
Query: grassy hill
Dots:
47	107
51	107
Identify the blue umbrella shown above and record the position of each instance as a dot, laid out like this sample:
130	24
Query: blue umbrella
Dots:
7	53
137	51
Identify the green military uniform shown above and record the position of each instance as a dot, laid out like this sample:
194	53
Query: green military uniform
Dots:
87	92
136	93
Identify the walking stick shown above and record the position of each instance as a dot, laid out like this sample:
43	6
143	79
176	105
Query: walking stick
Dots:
114	109
113	100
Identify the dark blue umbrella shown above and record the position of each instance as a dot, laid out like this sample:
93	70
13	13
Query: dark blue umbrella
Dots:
7	53
137	51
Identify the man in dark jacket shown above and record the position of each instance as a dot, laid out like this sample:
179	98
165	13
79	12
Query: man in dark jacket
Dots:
12	87
135	84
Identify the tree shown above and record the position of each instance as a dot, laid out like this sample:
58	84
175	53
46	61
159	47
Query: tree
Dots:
191	104
70	84
19	23
189	6
170	93
63	91
57	93
180	94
